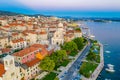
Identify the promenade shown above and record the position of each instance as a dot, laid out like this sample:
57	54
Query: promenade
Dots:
99	68
70	72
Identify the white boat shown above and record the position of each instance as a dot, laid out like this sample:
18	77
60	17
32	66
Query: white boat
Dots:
107	79
107	52
92	36
110	68
105	44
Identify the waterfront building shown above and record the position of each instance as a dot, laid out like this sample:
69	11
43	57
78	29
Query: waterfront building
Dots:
77	33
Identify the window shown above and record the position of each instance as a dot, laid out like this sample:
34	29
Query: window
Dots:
56	35
6	62
11	62
12	74
27	70
20	70
18	58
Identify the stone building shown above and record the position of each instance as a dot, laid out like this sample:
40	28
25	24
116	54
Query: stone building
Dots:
58	38
8	70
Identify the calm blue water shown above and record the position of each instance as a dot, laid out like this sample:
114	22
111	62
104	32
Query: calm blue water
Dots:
108	33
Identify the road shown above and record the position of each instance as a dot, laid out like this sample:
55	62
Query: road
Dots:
72	73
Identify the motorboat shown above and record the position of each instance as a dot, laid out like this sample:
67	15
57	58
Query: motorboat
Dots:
105	44
107	52
110	68
107	79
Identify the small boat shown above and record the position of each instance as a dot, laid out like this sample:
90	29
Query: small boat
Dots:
107	52
107	79
92	36
105	44
110	68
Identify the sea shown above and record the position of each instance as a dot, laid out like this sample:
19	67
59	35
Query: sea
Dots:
109	35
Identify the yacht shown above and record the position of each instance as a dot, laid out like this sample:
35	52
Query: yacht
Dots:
107	79
107	52
110	68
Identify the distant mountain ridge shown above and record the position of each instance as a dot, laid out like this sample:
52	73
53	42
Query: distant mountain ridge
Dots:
95	19
3	13
8	13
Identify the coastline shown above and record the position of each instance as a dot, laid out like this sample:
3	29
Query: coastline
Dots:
99	67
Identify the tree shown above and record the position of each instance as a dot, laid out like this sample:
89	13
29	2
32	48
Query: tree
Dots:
79	42
59	56
91	56
56	78
78	29
54	57
70	46
47	64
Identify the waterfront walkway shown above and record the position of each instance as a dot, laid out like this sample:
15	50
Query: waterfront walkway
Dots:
71	72
99	68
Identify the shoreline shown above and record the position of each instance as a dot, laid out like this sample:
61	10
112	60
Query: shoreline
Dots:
99	68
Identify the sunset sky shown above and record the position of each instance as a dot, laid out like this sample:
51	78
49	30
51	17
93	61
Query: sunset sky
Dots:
96	8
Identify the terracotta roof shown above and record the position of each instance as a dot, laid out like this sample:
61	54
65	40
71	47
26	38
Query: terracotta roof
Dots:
12	24
18	40
3	29
2	19
31	31
2	70
69	35
70	31
25	51
25	34
43	33
6	26
21	24
5	50
43	48
37	45
32	62
14	34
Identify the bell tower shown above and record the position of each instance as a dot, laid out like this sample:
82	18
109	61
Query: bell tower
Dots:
9	62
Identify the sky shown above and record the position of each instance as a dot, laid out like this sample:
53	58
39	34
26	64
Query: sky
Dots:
82	8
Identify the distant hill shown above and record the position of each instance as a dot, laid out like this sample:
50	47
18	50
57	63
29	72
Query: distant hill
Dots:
8	13
36	15
3	13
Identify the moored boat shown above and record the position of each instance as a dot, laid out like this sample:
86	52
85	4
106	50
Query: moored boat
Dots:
110	68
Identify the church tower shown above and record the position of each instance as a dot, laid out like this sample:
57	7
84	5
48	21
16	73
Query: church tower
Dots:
9	62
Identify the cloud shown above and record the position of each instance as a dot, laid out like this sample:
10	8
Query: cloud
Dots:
71	4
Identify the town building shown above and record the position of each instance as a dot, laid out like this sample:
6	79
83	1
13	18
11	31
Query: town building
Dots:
8	69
